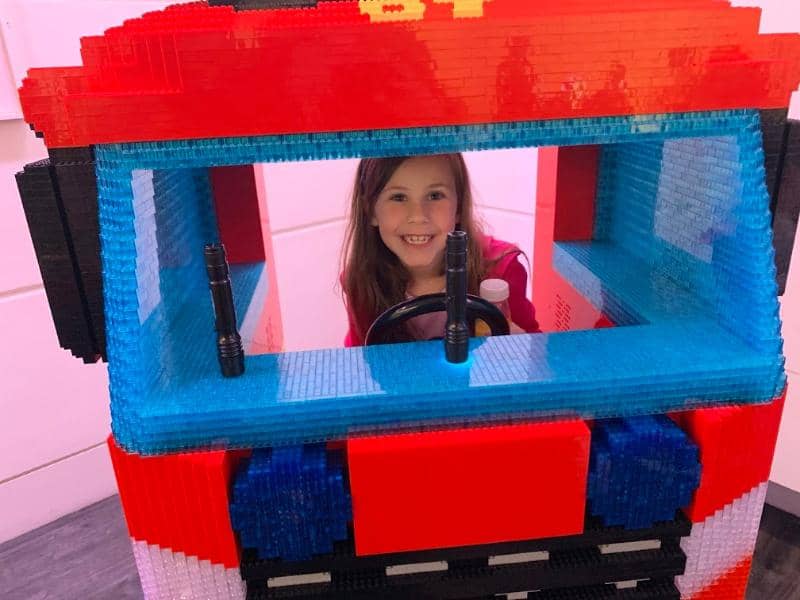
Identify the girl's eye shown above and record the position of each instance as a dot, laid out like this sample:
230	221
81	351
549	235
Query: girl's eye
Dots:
436	195
397	197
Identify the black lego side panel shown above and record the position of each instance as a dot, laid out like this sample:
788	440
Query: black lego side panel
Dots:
77	185
773	132
51	241
787	204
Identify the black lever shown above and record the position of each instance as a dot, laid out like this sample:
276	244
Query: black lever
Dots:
229	343
456	331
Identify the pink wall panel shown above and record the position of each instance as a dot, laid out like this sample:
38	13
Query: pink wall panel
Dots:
46	33
54	490
304	193
51	403
18	266
9	101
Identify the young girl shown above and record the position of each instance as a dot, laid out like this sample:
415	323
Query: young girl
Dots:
402	210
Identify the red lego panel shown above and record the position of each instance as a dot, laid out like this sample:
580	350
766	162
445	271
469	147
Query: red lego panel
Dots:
195	71
566	178
416	491
736	446
179	501
729	586
576	188
238	218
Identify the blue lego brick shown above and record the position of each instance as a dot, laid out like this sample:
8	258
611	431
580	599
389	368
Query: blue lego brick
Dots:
291	502
689	341
641	471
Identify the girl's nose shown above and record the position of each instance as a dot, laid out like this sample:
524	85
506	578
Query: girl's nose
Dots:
417	212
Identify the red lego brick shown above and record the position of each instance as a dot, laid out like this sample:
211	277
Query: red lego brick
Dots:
566	178
238	215
730	585
416	491
196	71
179	501
736	446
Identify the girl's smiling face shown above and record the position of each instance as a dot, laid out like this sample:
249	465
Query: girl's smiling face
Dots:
415	211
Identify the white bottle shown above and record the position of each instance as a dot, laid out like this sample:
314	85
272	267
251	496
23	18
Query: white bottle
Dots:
497	292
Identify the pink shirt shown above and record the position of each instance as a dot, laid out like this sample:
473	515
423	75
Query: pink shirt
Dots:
508	268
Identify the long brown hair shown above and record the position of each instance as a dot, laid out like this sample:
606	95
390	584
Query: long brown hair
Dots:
374	279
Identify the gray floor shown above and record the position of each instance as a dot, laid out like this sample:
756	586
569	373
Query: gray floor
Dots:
87	555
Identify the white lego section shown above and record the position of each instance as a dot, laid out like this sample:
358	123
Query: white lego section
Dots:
147	288
168	575
721	542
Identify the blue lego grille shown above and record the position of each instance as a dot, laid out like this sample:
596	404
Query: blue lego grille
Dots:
641	471
291	503
698	295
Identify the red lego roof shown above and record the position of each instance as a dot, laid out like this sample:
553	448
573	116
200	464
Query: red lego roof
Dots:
194	71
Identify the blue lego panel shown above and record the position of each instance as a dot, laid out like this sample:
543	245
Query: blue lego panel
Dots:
678	351
291	502
689	210
641	471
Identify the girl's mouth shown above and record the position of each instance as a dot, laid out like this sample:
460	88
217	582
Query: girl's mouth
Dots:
417	240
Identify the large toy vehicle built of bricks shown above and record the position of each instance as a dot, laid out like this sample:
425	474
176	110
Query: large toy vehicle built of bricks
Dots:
623	453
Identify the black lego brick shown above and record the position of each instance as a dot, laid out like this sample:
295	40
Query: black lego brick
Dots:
787	205
53	246
773	133
573	561
344	557
77	185
663	589
565	570
62	156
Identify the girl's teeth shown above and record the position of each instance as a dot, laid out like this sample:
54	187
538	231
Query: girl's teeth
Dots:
417	239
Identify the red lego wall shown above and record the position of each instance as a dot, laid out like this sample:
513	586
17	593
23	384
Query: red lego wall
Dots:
238	215
179	501
736	446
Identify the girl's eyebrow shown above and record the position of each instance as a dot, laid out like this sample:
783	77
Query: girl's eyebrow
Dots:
405	189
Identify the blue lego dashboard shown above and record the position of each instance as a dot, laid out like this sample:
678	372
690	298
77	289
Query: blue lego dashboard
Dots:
697	321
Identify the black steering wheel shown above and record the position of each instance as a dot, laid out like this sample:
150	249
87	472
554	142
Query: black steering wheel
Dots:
477	308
